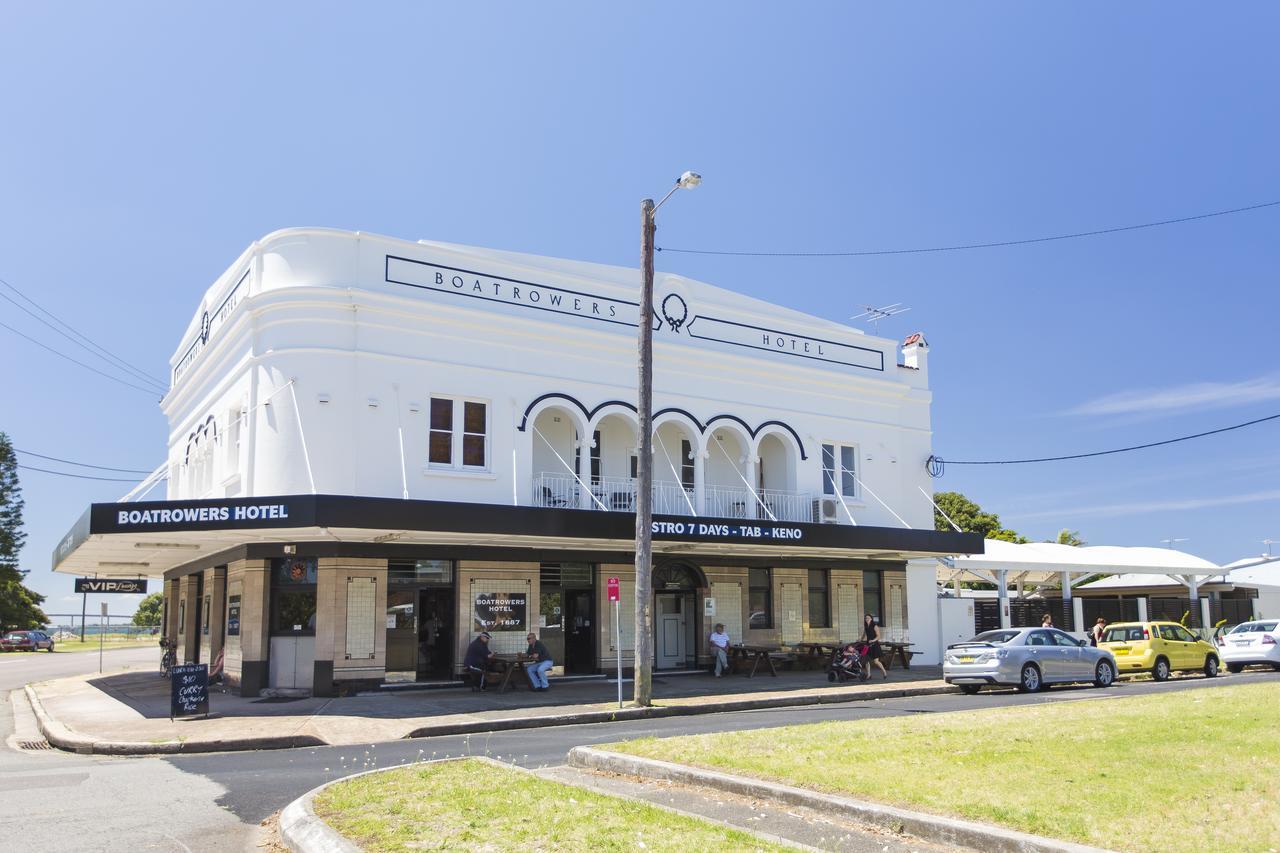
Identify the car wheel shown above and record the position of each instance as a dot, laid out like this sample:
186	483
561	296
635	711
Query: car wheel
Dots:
970	689
1237	667
51	647
1161	670
1211	666
1104	675
1029	679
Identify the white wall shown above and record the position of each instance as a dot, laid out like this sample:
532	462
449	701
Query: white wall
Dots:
313	309
922	611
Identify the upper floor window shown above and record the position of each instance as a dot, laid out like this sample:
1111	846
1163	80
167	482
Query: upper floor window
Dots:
686	464
839	470
459	433
596	451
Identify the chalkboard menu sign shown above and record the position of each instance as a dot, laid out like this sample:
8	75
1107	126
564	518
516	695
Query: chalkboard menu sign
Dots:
189	690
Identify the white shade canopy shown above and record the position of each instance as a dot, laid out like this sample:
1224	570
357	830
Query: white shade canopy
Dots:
1041	562
1250	572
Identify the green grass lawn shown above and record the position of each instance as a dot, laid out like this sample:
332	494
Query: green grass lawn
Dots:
476	805
110	641
1194	770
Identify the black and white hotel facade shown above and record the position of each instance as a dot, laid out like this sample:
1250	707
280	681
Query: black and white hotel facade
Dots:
379	448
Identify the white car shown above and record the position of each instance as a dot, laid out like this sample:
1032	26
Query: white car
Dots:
1250	643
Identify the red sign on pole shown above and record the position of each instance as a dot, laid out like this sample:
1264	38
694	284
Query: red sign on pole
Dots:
614	595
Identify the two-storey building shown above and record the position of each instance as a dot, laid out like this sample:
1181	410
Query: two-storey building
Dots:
379	448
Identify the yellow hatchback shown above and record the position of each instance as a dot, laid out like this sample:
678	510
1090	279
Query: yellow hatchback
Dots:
1158	648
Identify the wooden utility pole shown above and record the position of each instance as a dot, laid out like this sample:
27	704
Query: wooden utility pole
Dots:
644	474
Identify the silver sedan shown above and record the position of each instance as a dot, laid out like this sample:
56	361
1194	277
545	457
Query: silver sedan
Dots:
1027	658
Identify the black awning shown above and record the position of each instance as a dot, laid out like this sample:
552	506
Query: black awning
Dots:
391	514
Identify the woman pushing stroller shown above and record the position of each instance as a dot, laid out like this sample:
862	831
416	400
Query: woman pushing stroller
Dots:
846	664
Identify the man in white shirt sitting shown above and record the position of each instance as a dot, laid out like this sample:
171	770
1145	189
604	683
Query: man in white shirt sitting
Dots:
720	648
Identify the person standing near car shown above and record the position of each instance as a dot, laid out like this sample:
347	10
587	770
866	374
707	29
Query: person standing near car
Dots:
1046	621
871	636
1099	628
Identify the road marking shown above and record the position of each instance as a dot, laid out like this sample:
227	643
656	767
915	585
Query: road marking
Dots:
176	841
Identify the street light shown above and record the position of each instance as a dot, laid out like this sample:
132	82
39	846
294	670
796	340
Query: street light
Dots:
644	474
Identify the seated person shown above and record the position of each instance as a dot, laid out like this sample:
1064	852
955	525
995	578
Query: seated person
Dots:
540	661
479	659
719	641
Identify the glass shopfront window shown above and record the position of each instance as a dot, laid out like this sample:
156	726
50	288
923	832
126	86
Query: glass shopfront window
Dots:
819	598
871	598
420	620
293	596
760	598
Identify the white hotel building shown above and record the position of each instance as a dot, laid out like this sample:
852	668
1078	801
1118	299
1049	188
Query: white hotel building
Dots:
379	448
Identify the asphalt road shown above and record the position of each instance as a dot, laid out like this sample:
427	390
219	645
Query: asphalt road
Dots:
55	801
19	668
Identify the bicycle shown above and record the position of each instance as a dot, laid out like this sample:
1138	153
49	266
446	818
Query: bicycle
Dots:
170	656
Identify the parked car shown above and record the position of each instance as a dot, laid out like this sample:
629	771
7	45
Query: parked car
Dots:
1028	658
26	641
1159	648
1251	643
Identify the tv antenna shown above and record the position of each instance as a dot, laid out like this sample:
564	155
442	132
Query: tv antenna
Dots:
874	315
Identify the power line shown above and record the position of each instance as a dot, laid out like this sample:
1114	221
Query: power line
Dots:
150	391
76	476
937	465
78	343
138	372
964	246
82	464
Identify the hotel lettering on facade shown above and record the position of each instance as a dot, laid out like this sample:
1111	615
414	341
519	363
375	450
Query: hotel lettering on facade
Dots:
379	448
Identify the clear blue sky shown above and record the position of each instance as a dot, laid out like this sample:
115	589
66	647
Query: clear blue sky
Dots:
145	146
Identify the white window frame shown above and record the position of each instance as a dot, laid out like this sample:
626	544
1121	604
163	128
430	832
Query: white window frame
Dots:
837	448
457	430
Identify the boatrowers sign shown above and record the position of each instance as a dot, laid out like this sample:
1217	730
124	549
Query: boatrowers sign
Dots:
672	314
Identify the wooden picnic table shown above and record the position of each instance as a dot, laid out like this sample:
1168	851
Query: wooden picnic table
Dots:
900	651
740	654
811	654
511	665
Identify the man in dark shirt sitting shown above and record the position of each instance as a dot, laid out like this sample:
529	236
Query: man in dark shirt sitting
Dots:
478	658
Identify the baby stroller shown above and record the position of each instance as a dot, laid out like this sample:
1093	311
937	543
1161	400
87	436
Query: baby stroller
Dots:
846	664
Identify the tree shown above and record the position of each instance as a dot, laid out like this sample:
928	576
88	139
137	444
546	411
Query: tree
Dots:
148	613
1069	537
970	518
11	535
19	606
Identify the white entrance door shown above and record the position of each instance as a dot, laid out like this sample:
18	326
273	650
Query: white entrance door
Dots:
671	650
292	662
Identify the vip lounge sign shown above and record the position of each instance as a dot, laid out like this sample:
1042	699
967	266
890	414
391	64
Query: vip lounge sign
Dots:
98	585
501	611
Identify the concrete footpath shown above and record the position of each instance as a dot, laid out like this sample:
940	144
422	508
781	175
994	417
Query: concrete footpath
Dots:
128	713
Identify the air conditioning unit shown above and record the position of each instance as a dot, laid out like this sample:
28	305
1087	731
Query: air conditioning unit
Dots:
826	511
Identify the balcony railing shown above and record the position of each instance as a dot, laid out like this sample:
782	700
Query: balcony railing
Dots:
728	502
786	506
618	494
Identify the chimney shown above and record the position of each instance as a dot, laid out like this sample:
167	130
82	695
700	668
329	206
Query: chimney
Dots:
915	352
